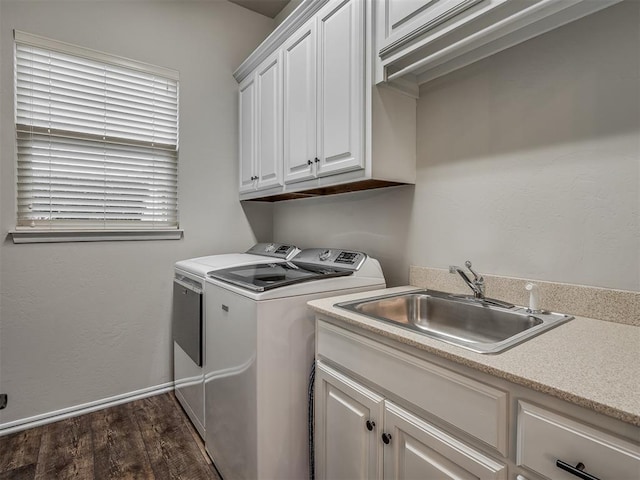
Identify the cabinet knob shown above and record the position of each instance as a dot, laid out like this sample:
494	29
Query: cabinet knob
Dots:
309	162
578	470
386	438
317	160
370	425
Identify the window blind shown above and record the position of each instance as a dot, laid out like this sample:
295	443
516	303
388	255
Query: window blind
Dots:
97	139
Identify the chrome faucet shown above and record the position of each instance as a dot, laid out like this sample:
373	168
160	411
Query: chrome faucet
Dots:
477	284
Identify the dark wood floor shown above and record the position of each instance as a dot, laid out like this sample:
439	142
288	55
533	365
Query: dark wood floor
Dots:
146	439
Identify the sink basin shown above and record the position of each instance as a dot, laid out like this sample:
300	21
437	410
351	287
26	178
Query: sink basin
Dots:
470	323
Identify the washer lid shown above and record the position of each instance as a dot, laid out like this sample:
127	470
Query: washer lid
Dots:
201	265
259	253
267	276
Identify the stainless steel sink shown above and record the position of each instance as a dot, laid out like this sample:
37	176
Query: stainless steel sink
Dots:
475	324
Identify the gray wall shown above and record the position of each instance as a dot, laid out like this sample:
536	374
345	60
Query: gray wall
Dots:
528	164
80	322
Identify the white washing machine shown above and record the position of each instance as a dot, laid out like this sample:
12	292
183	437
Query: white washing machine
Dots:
188	323
260	349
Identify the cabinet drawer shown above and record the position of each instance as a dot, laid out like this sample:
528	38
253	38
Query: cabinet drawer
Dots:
476	408
545	437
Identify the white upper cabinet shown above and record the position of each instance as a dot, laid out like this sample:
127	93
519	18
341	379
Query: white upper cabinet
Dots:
269	129
260	116
341	80
324	95
247	127
405	17
419	40
300	90
316	114
327	130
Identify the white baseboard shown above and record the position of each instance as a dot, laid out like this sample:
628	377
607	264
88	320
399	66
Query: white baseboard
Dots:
57	415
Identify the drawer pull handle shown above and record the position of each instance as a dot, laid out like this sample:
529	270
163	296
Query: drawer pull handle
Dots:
578	470
386	438
370	425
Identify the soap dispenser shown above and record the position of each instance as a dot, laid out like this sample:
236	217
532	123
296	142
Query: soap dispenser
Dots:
534	298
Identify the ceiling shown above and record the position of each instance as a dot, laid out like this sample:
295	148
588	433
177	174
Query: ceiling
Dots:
270	8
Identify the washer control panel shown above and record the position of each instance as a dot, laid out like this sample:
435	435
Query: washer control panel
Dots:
332	258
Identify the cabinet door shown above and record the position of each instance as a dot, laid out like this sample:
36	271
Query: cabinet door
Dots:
299	80
341	86
247	127
345	448
402	19
269	125
417	449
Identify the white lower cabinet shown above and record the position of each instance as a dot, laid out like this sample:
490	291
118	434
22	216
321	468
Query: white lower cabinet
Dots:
390	411
348	416
559	447
362	435
417	449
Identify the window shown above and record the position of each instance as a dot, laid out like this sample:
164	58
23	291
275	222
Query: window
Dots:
97	140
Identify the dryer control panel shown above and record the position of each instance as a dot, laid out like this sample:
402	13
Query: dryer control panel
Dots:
333	258
276	250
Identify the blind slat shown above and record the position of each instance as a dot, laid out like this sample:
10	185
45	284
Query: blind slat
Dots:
30	90
97	142
42	106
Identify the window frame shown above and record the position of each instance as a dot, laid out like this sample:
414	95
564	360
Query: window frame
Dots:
58	233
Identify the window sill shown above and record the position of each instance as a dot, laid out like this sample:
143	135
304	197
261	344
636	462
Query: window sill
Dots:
57	236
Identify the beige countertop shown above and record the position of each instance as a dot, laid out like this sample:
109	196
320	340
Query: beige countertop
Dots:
591	363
